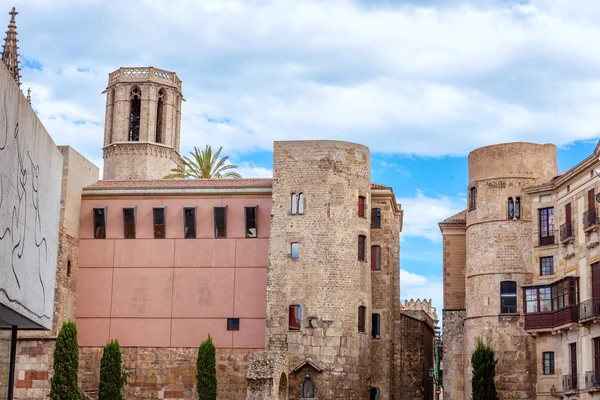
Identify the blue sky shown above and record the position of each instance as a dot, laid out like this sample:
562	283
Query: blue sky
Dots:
421	83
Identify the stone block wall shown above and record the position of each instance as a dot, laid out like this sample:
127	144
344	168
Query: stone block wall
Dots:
33	368
453	355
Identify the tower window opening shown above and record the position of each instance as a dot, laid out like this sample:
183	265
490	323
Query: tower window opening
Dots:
301	203
375	326
375	258
508	297
135	100
518	208
362	323
472	198
361	248
294	203
159	116
511	208
376	218
295	252
68	268
374	394
295	317
362	201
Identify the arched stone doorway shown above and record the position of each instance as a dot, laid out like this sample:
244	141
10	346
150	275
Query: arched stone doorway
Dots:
283	387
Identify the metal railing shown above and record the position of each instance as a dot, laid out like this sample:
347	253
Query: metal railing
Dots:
589	308
569	382
547	240
592	379
590	218
566	231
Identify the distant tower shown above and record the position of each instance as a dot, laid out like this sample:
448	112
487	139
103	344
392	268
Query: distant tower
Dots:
143	120
10	57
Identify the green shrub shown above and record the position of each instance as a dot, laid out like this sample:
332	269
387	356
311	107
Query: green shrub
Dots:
63	385
484	370
206	371
112	377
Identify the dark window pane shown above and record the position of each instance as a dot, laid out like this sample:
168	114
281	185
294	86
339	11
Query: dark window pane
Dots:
547	265
129	223
508	287
511	208
375	323
361	319
518	208
295	250
548	358
220	222
189	221
159	115
251	222
159	222
376	218
361	248
134	116
100	223
233	324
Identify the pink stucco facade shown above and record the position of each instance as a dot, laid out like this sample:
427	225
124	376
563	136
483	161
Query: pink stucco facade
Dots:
173	292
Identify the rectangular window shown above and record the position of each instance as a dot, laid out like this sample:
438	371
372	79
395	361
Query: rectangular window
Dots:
233	324
376	218
375	258
508	297
545	299
375	323
597	356
546	226
220	221
294	205
472	198
361	248
361	319
160	216
251	221
295	318
295	250
129	222
547	265
362	201
573	364
189	222
548	357
99	222
531	300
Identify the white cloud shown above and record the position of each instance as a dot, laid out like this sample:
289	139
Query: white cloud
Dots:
251	170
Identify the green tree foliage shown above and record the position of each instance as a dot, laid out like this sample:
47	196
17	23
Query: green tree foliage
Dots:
63	385
484	370
112	377
204	165
207	371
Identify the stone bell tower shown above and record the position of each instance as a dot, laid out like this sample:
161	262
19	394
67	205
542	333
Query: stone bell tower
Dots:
143	120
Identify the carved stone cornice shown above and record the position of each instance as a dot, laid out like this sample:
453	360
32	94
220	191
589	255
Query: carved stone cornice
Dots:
140	149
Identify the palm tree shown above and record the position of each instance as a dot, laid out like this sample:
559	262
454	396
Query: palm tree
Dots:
204	165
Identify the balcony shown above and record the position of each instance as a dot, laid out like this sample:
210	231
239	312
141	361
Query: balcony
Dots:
569	382
592	380
551	319
589	309
566	231
547	240
590	218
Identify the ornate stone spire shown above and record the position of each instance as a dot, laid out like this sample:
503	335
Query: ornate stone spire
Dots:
10	57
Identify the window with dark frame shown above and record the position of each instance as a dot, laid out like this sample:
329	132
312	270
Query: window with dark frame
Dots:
233	324
508	297
362	201
596	341
99	222
251	221
362	328
546	226
518	208
548	357
189	222
295	250
472	198
375	258
68	268
546	266
511	208
159	115
295	318
376	218
135	107
376	326
159	216
361	248
129	222
220	221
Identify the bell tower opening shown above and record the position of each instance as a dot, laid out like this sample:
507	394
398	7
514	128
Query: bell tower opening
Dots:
159	115
135	107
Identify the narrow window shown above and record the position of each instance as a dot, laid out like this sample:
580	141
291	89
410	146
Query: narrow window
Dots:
361	319
295	250
135	101
301	203
548	357
309	391
531	300
597	358
159	115
295	318
221	221
68	268
546	226
376	218
374	394
251	221
511	208
99	222
294	203
361	248
129	222
189	222
508	297
472	198
545	299
547	266
159	215
518	208
375	258
233	324
375	325
361	206
573	366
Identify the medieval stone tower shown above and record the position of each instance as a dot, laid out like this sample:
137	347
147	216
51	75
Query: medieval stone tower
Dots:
143	120
319	281
498	264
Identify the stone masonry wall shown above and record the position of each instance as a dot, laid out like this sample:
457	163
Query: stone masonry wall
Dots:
453	357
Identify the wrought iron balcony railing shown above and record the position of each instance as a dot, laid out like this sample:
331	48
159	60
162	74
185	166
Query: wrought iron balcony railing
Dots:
566	231
590	218
589	308
569	382
592	379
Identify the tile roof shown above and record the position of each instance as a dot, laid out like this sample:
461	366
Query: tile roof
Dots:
456	219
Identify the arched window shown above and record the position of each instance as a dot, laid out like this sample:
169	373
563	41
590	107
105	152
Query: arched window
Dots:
362	328
472	198
68	268
508	297
135	100
294	203
159	115
518	208
301	203
511	208
309	390
374	394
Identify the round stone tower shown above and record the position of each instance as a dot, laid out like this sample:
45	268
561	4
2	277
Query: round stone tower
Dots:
143	119
319	280
499	237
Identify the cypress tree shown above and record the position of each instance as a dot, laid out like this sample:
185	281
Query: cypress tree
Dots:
206	374
112	377
484	370
63	385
